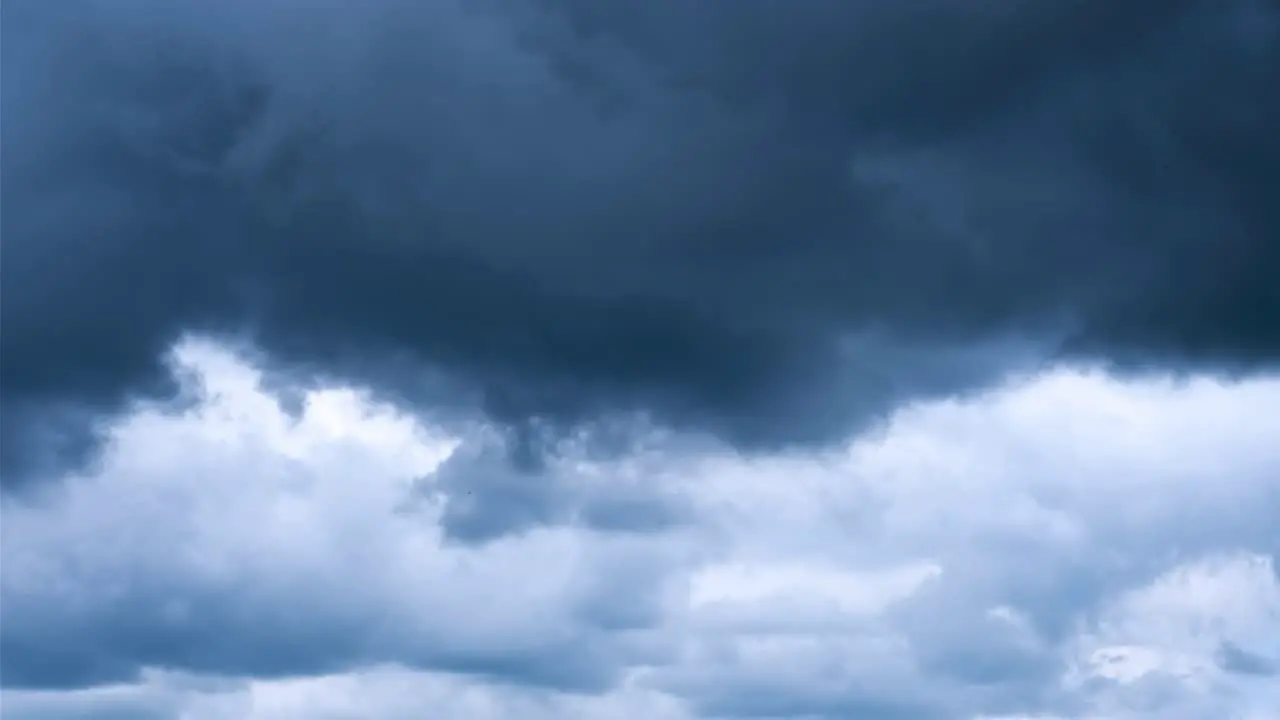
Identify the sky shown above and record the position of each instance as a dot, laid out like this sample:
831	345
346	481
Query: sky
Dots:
569	359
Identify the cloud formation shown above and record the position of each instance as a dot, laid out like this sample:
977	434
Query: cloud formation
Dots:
1071	547
769	223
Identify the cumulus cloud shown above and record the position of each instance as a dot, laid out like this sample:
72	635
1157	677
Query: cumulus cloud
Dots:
1068	547
674	360
770	224
1196	640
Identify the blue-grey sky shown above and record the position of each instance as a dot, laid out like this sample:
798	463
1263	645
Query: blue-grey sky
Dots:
591	359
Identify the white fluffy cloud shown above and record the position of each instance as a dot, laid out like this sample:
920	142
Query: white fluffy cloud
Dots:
1071	546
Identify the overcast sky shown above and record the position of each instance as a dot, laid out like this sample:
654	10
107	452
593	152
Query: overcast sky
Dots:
607	359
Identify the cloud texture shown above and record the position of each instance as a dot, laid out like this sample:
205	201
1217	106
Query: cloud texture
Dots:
679	360
1069	548
767	222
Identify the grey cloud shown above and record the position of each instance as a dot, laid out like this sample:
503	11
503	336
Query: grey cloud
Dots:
766	702
227	631
577	209
1238	660
96	708
638	512
386	692
184	570
486	496
159	696
124	635
237	541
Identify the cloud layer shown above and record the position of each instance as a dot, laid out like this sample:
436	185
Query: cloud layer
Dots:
763	222
1070	547
673	360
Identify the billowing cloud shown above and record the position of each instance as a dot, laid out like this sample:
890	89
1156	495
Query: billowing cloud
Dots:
765	222
1067	547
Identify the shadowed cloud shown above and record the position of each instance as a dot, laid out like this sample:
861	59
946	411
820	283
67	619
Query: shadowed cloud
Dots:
769	222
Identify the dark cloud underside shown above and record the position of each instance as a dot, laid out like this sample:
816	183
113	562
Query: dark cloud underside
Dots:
769	221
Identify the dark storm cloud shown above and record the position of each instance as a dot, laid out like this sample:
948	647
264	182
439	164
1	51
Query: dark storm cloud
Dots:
770	221
486	497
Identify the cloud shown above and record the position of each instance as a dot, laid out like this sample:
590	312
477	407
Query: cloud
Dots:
555	213
385	692
302	548
1070	546
486	497
1158	650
